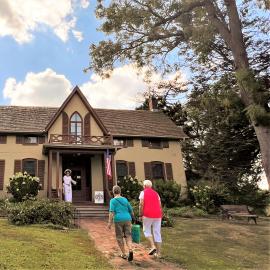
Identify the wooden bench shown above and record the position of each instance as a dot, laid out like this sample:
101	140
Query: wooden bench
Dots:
232	211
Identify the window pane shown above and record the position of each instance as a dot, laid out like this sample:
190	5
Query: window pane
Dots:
157	170
29	166
121	169
79	129
72	128
155	143
76	118
31	139
118	142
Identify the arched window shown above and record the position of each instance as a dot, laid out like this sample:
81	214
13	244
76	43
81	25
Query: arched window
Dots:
76	124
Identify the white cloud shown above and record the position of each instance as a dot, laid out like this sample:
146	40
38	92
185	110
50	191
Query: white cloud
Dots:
120	91
38	89
20	18
84	3
78	35
123	90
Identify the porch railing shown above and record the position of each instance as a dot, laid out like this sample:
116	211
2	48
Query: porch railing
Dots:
77	139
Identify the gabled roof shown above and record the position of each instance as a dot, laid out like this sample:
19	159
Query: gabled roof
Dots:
126	123
25	119
77	90
121	123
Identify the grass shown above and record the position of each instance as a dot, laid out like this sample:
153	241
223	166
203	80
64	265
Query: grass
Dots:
40	247
218	245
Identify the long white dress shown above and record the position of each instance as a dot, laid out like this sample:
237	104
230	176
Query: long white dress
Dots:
68	187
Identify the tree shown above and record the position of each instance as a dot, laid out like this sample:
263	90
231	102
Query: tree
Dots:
222	145
214	33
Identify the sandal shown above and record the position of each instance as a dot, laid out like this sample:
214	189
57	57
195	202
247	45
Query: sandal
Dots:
130	256
123	256
152	251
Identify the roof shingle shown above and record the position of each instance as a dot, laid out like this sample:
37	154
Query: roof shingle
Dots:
19	119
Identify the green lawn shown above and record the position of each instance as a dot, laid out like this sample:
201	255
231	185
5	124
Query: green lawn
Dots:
215	244
39	247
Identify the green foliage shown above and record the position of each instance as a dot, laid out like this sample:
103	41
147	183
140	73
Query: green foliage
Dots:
40	212
167	219
187	212
130	187
169	192
209	195
223	144
23	186
247	192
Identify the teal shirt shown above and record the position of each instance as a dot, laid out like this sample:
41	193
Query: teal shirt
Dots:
121	208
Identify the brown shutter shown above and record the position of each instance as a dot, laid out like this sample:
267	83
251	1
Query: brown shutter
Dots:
41	139
3	139
2	174
131	169
41	172
165	144
169	171
65	123
19	139
87	125
145	143
129	142
17	166
148	170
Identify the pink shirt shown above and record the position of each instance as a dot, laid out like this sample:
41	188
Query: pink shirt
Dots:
151	207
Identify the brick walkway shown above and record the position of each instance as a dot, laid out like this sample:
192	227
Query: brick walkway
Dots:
105	242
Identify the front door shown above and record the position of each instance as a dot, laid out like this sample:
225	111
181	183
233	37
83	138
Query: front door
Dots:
78	190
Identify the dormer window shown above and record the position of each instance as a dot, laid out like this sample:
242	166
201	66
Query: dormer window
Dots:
76	124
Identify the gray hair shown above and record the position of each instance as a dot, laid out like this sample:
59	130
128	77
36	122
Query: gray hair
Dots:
116	190
147	183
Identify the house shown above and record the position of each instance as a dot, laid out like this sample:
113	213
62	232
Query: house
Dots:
44	141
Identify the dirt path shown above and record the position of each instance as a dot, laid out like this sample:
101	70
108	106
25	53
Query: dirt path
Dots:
105	242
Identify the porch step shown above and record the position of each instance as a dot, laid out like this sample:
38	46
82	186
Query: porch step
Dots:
86	211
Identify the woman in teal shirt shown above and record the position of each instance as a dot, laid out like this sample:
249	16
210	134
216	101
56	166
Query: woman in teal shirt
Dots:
121	213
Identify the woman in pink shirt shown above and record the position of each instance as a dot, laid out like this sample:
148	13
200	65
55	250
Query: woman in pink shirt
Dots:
151	213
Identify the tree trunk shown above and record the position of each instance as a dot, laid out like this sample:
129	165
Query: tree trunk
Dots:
263	136
233	36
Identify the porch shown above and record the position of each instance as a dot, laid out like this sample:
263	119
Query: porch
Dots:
86	158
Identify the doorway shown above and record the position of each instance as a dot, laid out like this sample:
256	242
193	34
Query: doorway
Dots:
80	165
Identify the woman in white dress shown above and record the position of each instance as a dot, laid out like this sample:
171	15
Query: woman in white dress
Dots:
67	180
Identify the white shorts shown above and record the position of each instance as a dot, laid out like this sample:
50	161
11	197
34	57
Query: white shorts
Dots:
155	224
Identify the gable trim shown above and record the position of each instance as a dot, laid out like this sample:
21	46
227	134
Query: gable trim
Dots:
77	90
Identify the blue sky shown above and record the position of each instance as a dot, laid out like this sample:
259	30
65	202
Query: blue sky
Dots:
43	57
46	50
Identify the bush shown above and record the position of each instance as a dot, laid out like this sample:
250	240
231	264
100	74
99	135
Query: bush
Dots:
169	192
248	192
130	187
187	212
3	208
167	220
209	196
40	212
23	186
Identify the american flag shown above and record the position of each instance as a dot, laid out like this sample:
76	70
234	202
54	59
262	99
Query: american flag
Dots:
108	165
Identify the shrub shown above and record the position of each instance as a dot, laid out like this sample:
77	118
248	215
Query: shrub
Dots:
247	192
169	192
187	212
130	187
40	212
209	196
23	186
167	220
